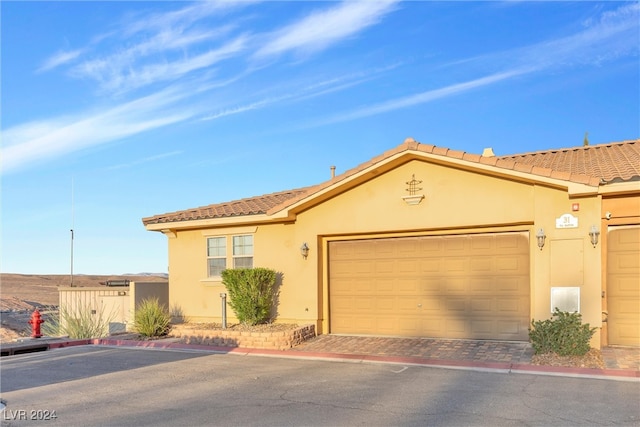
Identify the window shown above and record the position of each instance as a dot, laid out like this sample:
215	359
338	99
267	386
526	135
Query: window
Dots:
216	255
243	251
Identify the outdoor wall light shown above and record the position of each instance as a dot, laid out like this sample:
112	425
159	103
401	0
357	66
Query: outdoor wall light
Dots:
594	233
304	250
541	237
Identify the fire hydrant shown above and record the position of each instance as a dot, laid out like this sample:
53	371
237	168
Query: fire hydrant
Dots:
35	322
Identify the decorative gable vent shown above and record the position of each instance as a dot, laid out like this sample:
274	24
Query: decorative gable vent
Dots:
412	188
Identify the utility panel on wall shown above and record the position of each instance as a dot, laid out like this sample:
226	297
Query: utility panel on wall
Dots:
565	298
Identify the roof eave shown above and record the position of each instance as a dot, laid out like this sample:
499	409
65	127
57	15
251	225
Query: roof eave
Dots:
216	222
620	188
340	185
575	189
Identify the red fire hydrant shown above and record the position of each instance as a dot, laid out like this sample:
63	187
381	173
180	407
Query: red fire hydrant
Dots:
35	322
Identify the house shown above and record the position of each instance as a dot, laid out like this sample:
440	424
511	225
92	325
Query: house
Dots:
424	241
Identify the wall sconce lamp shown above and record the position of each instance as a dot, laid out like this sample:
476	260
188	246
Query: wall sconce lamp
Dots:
541	237
594	233
304	250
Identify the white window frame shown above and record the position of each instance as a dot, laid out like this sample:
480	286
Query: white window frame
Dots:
242	250
236	248
217	256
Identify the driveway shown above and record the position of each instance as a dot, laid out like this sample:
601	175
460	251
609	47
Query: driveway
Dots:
99	386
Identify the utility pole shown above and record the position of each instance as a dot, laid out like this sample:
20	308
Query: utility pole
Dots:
71	257
72	220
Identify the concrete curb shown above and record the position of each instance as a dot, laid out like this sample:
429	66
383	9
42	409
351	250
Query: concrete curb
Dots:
33	345
506	367
171	344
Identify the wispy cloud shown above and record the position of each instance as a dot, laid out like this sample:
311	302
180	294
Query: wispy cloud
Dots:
147	49
145	160
37	141
210	60
118	74
613	35
294	94
180	18
241	109
326	27
155	50
421	98
59	58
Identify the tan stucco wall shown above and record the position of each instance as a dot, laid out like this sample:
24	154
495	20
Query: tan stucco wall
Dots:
141	291
456	201
568	258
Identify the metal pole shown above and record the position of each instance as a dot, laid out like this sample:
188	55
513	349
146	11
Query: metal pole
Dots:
224	310
72	224
71	257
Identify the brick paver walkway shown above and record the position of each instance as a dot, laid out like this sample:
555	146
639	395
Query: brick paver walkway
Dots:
454	350
437	349
621	358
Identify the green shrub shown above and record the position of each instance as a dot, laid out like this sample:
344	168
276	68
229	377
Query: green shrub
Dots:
81	322
152	319
564	335
252	293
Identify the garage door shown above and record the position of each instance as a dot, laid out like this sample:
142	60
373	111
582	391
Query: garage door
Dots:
471	286
623	285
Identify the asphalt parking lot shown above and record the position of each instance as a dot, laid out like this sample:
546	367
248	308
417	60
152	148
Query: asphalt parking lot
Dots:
103	386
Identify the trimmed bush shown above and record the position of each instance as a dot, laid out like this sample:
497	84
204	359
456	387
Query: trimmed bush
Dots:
152	319
252	293
80	322
564	334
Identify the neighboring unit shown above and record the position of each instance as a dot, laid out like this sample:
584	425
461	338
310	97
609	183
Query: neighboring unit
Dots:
113	305
424	241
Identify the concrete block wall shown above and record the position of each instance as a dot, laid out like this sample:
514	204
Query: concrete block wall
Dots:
278	340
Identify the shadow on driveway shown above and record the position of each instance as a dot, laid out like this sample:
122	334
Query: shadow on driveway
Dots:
69	364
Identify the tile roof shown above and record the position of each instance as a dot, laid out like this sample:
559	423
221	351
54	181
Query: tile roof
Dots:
591	165
614	162
249	206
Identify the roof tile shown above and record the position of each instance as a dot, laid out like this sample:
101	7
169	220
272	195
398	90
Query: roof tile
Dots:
505	163
426	148
441	151
249	206
455	154
522	167
618	161
475	158
488	160
590	165
540	171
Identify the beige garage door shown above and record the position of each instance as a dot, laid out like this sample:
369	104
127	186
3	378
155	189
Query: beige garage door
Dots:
471	286
623	283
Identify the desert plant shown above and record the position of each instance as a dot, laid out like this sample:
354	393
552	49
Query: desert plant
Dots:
80	322
151	319
252	293
564	334
177	315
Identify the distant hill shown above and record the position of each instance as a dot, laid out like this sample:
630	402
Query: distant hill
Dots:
43	288
165	275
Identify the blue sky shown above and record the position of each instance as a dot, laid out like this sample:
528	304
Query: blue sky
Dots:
115	111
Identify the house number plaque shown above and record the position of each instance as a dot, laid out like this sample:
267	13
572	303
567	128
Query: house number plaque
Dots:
567	221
